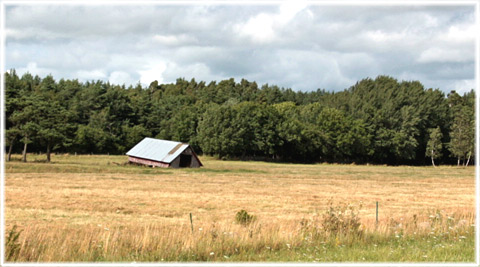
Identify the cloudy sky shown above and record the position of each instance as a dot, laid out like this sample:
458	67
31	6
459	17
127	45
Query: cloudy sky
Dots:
298	45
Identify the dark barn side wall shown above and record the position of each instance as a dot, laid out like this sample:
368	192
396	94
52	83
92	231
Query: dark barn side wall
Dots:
188	151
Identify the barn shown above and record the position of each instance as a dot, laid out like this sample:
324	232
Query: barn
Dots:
163	153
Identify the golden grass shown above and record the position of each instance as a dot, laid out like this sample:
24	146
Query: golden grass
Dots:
93	200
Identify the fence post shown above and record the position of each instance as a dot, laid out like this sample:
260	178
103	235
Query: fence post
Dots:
376	214
191	222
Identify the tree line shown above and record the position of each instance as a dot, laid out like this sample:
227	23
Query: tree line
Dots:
381	120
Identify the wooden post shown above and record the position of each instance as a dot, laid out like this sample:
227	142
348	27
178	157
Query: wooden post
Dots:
376	215
191	222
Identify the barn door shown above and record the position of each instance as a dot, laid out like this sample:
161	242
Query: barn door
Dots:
185	160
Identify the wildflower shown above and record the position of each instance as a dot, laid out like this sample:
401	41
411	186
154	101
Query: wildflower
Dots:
225	256
200	229
288	245
106	229
462	237
212	253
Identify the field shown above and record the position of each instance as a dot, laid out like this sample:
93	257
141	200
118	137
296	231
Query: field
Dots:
96	208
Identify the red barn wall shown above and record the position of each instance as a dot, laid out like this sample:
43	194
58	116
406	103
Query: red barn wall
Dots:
148	162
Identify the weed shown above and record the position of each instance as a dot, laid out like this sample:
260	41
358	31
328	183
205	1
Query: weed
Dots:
12	246
341	220
242	217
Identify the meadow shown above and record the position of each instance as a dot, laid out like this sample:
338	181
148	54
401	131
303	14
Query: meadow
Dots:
96	208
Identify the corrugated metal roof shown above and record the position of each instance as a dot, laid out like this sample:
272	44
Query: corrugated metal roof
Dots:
158	150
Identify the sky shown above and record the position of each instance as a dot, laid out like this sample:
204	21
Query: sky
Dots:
304	46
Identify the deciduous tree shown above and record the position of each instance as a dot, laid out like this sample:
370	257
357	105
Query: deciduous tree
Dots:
434	145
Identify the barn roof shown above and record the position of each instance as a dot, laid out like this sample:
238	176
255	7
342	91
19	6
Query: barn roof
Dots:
158	150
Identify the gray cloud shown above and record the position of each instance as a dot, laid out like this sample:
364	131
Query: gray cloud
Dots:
298	46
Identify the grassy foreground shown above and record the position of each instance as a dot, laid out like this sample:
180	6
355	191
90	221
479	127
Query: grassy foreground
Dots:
94	208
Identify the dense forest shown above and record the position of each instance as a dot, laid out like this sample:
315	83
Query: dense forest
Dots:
380	121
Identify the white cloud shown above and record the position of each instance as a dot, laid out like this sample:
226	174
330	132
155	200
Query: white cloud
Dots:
263	27
463	86
174	40
121	77
463	33
382	36
152	72
259	29
289	9
15	34
437	54
430	21
86	75
33	69
290	45
199	71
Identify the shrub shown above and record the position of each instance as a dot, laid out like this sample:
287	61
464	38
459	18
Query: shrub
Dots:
244	218
341	220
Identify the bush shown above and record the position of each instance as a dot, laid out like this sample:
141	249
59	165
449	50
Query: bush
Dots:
244	218
341	220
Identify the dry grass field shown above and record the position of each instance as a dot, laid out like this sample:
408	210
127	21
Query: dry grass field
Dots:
95	208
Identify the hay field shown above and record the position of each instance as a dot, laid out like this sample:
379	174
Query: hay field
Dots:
93	208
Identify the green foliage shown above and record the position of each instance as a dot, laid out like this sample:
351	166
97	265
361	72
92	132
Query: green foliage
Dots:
377	120
133	135
238	130
242	217
463	134
434	145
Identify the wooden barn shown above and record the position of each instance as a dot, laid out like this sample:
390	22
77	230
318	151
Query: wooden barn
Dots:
163	153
